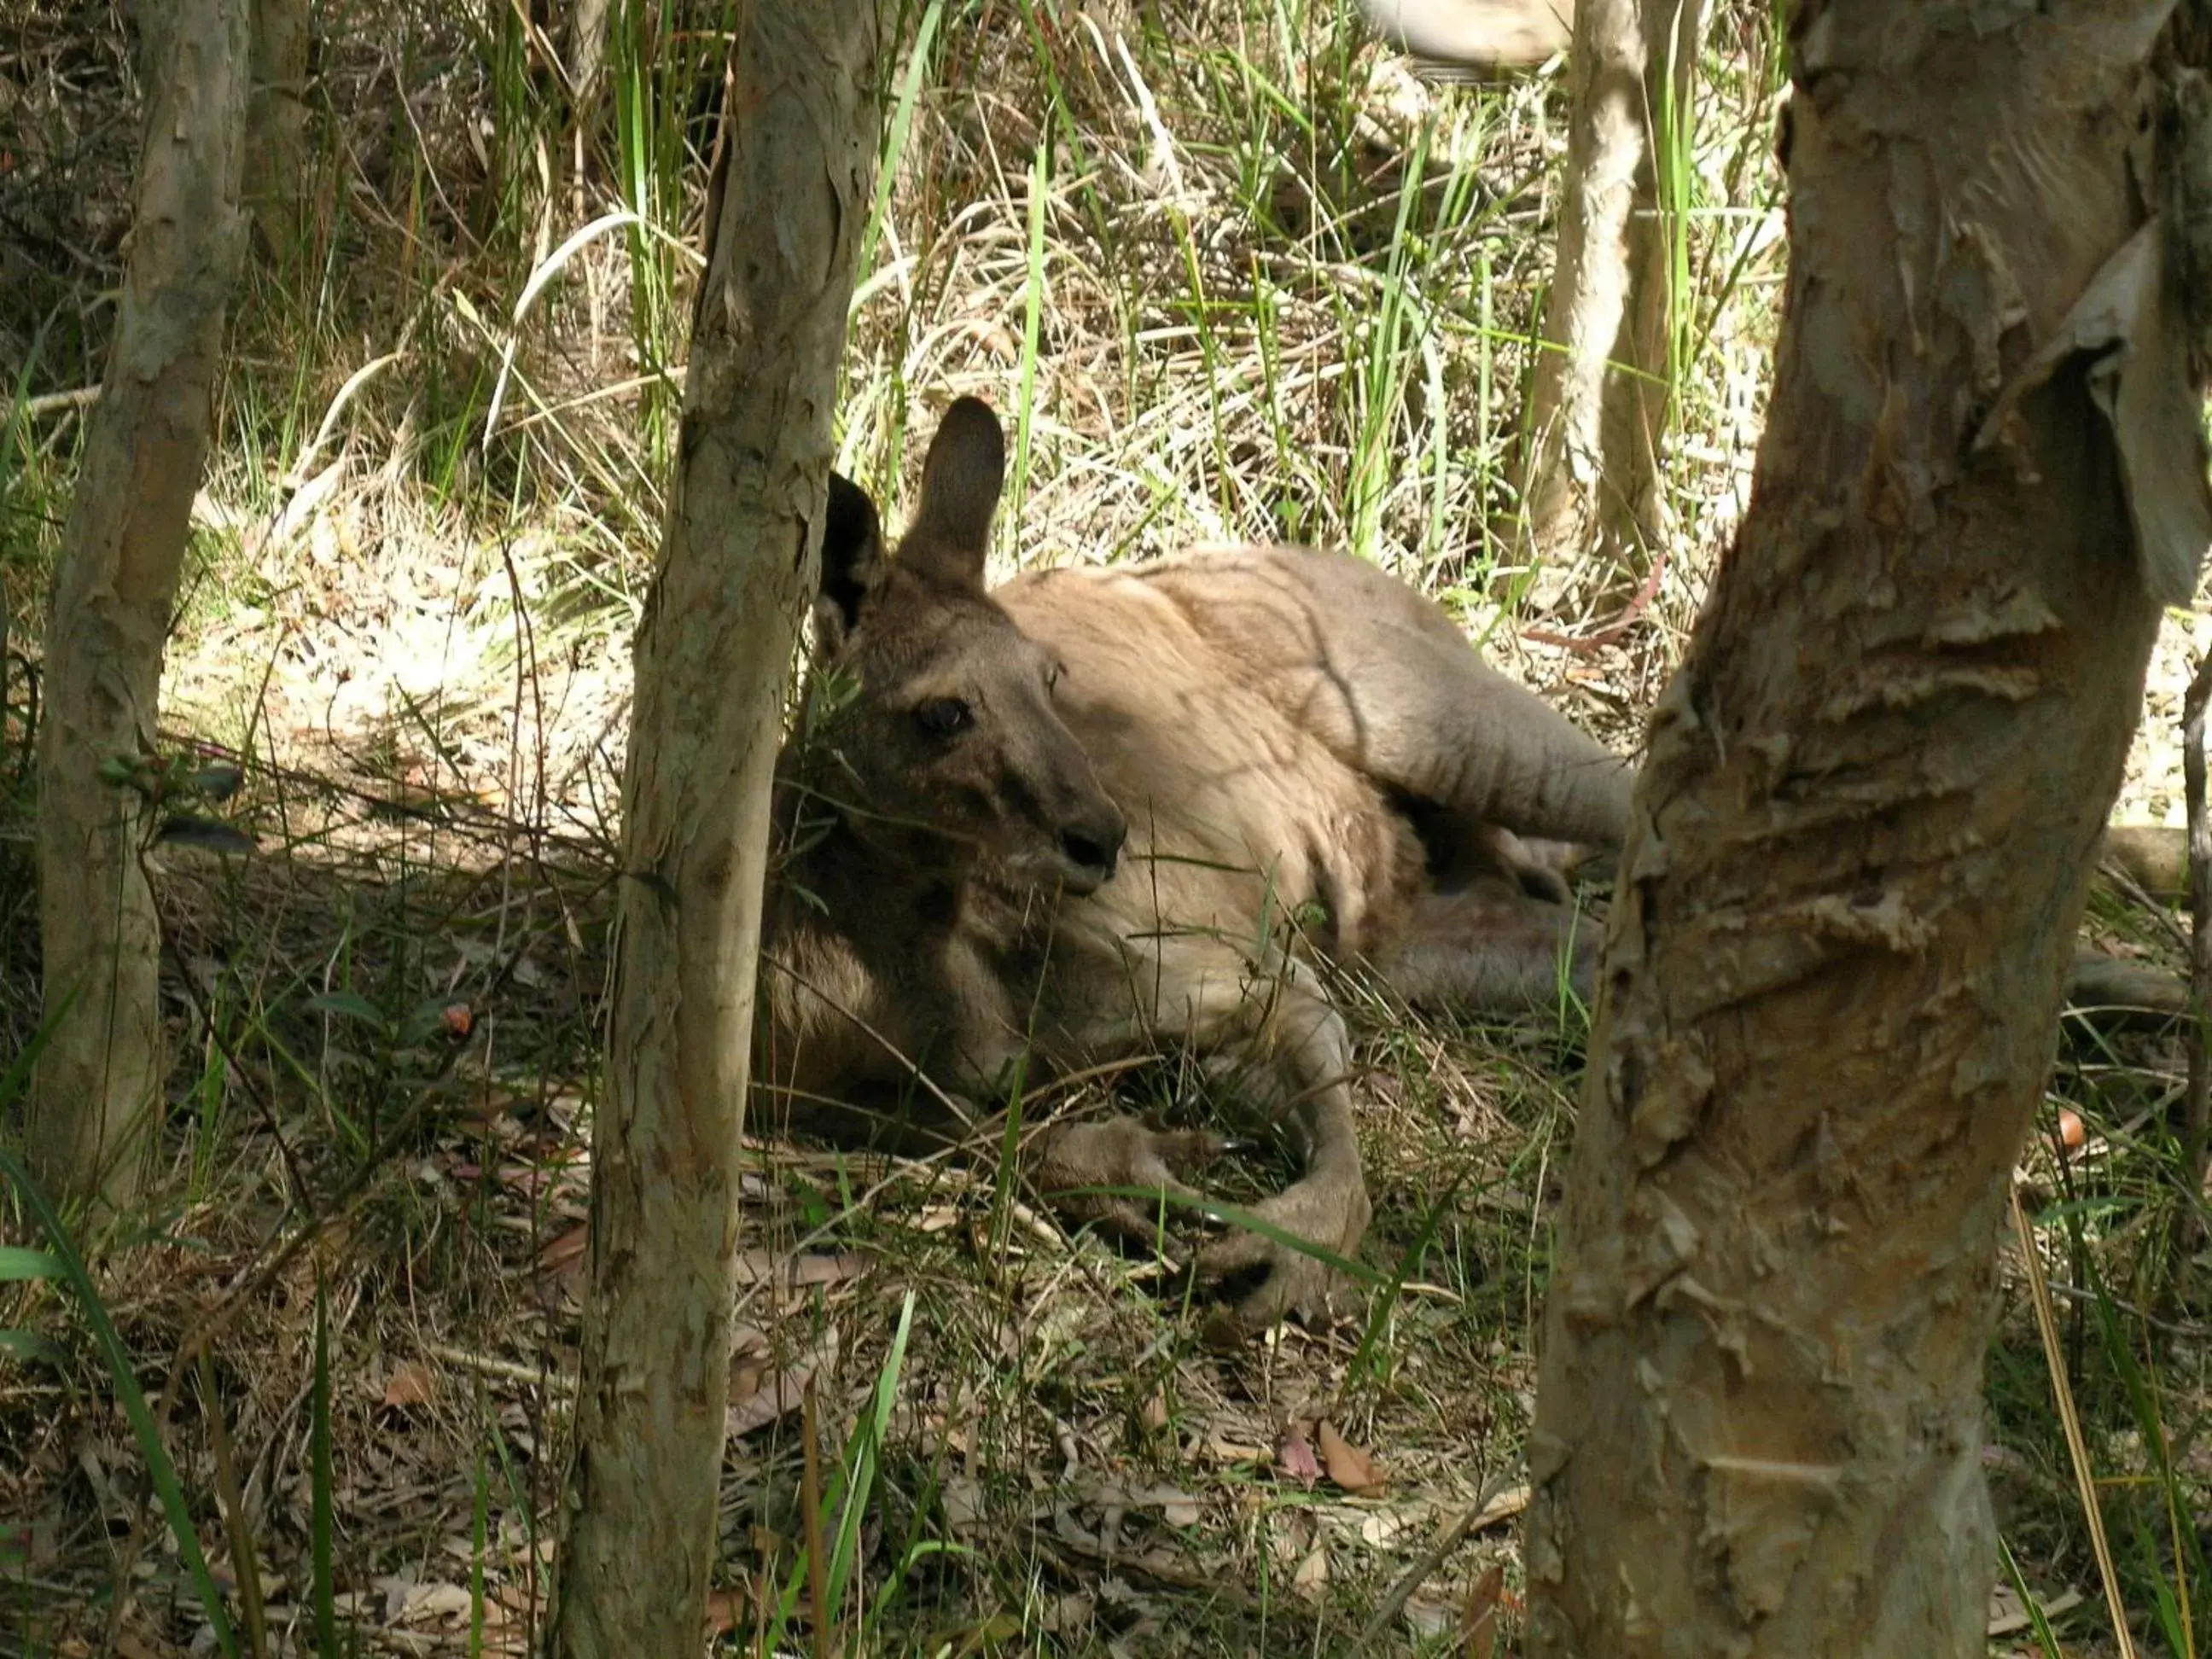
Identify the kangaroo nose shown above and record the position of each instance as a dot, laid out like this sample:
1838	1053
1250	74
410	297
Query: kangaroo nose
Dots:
1096	843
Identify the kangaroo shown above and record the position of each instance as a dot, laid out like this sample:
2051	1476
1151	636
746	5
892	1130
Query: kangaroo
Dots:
1062	822
1506	35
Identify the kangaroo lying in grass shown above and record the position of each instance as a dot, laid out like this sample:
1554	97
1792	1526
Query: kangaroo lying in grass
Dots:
1096	811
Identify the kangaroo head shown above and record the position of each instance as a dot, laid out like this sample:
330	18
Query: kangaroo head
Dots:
946	738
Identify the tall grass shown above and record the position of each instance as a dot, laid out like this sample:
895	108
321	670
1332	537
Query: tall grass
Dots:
1231	273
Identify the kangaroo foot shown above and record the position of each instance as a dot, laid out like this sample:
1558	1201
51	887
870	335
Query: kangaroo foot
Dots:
1267	1276
1092	1171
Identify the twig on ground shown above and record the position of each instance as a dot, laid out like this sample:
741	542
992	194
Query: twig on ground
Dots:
1499	1500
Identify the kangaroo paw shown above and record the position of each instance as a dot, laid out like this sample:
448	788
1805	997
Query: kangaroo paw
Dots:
1266	1277
1096	1173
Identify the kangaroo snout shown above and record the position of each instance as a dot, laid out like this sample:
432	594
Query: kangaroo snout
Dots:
1091	845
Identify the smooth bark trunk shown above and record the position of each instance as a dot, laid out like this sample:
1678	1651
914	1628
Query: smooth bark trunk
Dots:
1598	404
99	1086
789	199
587	57
276	122
1862	841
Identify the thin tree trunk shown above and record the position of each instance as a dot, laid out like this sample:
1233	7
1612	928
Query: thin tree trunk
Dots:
587	57
99	1085
276	122
789	198
1862	846
1590	470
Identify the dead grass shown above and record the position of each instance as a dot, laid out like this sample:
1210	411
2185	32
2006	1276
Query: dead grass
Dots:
1255	318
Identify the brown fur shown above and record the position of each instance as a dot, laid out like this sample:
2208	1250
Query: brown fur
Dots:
1070	822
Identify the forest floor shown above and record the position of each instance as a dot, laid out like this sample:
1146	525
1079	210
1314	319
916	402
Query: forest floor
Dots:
1230	271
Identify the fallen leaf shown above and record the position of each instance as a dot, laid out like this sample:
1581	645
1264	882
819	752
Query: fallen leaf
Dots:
1294	1456
437	1601
1381	1529
2071	1134
1429	1616
760	1393
1312	1573
725	1608
799	1272
458	1018
1347	1466
1477	1623
1504	1506
1073	1614
413	1384
777	1393
2008	1617
1177	1509
1154	1416
562	1254
962	1498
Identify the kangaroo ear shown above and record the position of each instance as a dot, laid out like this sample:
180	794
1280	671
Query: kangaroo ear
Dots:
852	560
960	482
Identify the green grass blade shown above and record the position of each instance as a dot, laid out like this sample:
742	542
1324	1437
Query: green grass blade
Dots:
1032	313
133	1398
321	1484
917	69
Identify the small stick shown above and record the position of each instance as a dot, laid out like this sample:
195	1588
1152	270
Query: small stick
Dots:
2069	1418
1508	1499
61	403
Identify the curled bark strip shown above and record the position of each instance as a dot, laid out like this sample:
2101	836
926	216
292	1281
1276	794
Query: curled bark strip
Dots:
2124	325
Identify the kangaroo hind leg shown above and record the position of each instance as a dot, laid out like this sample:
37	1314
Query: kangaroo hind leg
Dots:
1491	948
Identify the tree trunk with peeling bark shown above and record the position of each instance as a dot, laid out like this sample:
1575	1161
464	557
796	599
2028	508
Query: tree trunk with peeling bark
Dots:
1598	404
1861	843
98	1090
789	198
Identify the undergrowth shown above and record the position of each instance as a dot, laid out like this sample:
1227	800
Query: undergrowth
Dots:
1230	271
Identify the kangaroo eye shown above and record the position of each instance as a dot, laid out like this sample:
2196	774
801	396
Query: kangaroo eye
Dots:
945	717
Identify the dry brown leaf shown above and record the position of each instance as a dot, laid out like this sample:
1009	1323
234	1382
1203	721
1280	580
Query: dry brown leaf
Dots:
414	1383
439	1601
1477	1623
2009	1616
1294	1456
760	1392
794	1272
1429	1617
724	1609
1178	1507
1313	1572
1383	1528
563	1253
1348	1467
962	1498
775	1395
